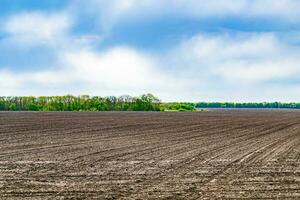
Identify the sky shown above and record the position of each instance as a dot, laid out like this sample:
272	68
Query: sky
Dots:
179	50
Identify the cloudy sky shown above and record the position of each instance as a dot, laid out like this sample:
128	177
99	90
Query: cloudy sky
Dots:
179	50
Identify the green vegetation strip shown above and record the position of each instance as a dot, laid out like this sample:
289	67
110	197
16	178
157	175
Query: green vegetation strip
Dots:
146	102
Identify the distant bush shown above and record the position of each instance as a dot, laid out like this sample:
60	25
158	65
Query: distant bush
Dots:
182	107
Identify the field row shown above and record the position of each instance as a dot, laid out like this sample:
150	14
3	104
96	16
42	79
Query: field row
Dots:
137	155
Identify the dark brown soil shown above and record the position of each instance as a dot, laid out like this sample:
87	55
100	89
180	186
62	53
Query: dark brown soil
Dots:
222	154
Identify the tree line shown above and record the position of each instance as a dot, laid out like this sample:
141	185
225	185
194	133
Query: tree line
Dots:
247	105
146	102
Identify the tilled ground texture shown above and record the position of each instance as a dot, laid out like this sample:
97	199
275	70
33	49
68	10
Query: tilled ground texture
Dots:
221	154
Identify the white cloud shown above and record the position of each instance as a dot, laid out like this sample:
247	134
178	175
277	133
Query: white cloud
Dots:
119	68
36	27
237	67
221	67
248	58
116	71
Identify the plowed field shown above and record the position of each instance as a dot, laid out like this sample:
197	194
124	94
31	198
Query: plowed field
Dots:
222	154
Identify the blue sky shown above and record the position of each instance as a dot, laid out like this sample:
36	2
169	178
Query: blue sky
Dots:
179	50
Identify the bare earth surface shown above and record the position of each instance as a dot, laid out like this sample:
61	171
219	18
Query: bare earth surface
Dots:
222	154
